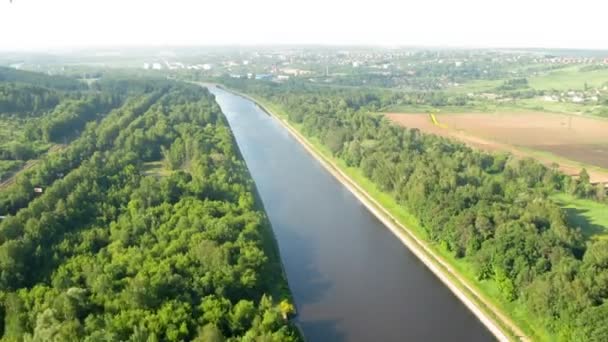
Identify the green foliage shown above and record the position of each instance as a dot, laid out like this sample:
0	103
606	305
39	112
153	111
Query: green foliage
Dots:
592	325
27	99
59	82
70	117
496	212
286	308
210	333
505	284
513	84
106	252
177	154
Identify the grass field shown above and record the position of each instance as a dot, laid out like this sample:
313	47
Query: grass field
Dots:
476	107
556	107
476	86
590	216
536	104
569	78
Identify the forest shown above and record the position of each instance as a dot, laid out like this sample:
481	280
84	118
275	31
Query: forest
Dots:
145	226
490	210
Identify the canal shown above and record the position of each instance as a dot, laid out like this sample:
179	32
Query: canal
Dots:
351	278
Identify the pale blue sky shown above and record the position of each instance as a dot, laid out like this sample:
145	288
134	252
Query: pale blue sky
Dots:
48	24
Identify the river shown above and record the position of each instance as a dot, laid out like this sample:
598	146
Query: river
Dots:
351	278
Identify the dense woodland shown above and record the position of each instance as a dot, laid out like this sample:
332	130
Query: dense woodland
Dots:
492	210
10	75
40	112
116	248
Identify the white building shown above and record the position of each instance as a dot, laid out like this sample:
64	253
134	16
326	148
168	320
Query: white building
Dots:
549	98
577	99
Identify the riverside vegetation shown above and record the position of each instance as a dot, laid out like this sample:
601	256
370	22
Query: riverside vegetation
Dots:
493	213
145	227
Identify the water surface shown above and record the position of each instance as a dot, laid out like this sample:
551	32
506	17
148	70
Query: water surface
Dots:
351	278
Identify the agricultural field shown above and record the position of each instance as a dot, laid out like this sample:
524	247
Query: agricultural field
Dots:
567	78
571	141
570	78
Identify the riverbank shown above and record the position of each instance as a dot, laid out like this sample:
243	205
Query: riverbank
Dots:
278	283
491	317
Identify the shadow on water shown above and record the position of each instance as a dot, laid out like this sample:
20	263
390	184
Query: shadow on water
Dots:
306	282
309	283
322	330
351	280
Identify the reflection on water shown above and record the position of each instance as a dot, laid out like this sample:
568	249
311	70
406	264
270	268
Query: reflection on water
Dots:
352	280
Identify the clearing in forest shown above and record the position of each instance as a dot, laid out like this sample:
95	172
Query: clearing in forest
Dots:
29	164
571	141
156	169
589	215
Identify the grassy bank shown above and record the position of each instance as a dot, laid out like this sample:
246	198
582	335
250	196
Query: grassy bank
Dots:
486	294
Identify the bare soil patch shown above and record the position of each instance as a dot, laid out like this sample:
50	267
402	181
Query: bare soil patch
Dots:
572	138
588	154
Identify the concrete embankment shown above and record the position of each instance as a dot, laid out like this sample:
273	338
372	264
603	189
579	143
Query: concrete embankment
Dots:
461	289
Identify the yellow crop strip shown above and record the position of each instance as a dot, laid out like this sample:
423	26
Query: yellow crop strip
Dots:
436	122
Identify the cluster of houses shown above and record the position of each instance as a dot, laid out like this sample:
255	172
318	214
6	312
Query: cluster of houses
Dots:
166	65
589	96
572	60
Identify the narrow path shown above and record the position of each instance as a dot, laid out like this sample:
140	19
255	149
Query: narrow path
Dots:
28	165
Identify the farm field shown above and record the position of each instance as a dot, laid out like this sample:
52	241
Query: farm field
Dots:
570	78
571	141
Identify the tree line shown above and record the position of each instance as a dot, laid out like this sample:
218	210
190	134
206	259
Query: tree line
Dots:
38	111
491	210
10	75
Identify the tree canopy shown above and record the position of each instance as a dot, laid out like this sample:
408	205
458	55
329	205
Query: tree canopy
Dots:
112	250
491	210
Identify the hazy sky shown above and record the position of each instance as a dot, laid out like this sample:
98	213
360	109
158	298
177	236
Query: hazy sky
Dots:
48	24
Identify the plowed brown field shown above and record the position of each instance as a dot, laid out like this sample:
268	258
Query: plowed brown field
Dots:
575	140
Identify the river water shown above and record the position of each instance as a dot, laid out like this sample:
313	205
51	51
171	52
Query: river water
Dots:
351	278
